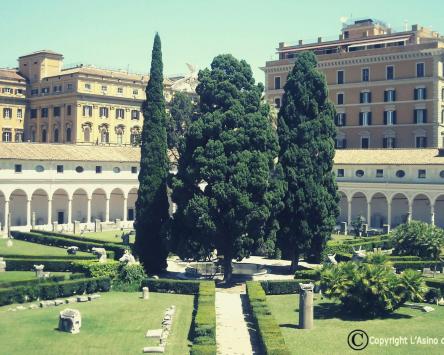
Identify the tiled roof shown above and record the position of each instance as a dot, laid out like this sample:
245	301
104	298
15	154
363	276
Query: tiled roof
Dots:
11	74
43	51
428	156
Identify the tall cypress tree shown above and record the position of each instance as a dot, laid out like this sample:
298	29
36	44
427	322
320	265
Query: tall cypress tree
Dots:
152	201
306	136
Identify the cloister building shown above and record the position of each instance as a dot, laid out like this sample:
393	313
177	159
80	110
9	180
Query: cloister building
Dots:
45	183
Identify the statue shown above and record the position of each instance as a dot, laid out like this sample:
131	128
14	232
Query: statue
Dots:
128	258
101	253
332	259
358	255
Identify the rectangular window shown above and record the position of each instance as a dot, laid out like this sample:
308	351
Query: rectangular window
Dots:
340	143
120	113
134	170
69	87
420	116
389	118
33	113
340	173
34	92
57	89
6	136
19	113
389	95
68	110
340	99
45	90
18	168
7	112
421	142
98	169
379	173
135	92
421	174
365	142
420	93
277	82
420	70
60	169
365	74
340	119
340	77
277	102
7	90
365	118
365	97
18	91
120	90
87	86
103	111
44	112
104	88
56	111
87	111
390	72
389	142
134	115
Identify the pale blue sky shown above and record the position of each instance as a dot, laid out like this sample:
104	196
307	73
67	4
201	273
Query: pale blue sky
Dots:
119	34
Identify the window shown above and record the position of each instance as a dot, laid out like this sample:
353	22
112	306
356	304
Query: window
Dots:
19	91
104	88
39	168
44	135
390	72
365	142
379	173
134	115
421	142
135	92
87	86
44	112
7	112
86	133
7	90
277	82
119	137
103	112
340	143
340	119
19	113
68	134
134	138
120	90
340	99
340	77
79	169
69	87
7	136
420	70
390	117
18	168
359	173
68	110
420	116
56	135
365	118
389	142
134	170
400	174
421	174
33	113
365	74
419	94
87	111
340	173
34	92
116	169
98	169
277	102
57	89
56	111
45	90
120	113
19	136
32	135
389	95
104	136
60	169
365	97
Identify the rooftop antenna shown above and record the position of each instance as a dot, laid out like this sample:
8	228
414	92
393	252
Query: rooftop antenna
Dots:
406	24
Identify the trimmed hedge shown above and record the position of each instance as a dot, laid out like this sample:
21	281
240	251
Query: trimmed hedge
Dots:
416	265
114	251
270	335
439	284
282	287
58	257
204	322
18	264
366	243
310	274
73	236
51	290
96	269
186	287
31	282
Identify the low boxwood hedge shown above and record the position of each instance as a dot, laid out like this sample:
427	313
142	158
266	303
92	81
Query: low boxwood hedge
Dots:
310	274
53	264
115	251
187	287
58	257
204	322
366	243
439	284
282	287
268	330
417	264
31	282
51	290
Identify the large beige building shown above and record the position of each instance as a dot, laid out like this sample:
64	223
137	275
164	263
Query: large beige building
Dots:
81	104
388	88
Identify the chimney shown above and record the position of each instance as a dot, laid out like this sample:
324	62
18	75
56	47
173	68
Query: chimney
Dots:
341	37
319	39
414	27
300	42
281	44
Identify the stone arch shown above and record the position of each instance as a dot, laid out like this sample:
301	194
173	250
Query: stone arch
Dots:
400	209
18	200
98	204
39	206
87	128
60	206
116	204
379	210
80	205
104	133
421	208
2	209
439	208
359	205
131	204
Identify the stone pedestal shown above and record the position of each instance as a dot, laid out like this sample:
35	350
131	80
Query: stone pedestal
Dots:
55	226
97	225
77	227
39	271
125	238
344	228
145	293
364	229
306	306
386	229
2	265
70	321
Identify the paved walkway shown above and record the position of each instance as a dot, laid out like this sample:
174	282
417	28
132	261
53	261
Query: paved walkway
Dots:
234	334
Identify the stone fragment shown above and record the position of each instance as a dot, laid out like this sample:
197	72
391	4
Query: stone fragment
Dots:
82	299
154	333
93	297
154	349
58	302
70	321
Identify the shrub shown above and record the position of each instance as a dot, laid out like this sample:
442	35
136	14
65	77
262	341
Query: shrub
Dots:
416	265
96	269
187	287
27	264
439	284
370	289
129	277
278	287
32	282
77	276
58	257
308	274
269	332
418	238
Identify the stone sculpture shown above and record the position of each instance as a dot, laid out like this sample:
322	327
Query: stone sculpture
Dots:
101	253
70	321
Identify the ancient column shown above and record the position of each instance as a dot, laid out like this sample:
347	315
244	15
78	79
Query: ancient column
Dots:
6	226
389	213
125	209
88	211
306	306
349	213
107	210
28	213
49	211
369	213
69	211
432	214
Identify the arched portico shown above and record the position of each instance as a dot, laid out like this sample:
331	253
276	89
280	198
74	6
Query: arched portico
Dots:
400	207
421	208
61	207
100	205
39	207
80	206
116	204
359	206
131	204
19	208
379	210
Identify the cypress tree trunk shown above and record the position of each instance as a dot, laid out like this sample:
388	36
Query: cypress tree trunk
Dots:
294	261
152	201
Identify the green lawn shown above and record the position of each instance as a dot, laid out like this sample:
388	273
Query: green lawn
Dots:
26	248
108	236
23	275
114	324
330	333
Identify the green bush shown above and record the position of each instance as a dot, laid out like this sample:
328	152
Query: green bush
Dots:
53	264
418	238
439	284
59	257
346	247
32	282
279	287
77	276
96	269
268	330
129	277
314	275
187	287
204	322
417	265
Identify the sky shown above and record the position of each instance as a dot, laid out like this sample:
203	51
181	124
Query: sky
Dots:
118	34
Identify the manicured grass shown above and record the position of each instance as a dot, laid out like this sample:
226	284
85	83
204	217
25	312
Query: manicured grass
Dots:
26	248
114	324
331	329
108	236
23	275
341	237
